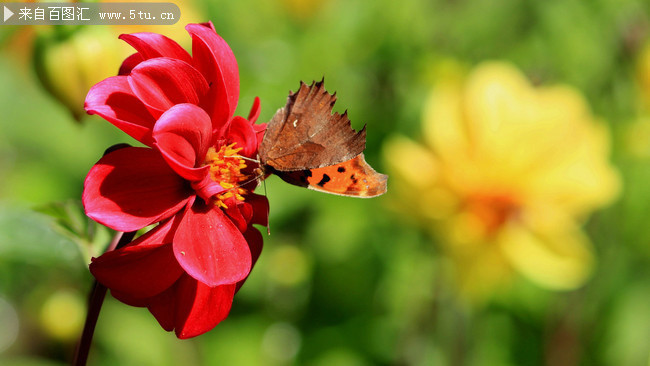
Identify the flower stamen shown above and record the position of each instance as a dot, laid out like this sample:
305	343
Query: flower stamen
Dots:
225	169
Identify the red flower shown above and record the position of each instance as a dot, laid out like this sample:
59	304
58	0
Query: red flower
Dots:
191	179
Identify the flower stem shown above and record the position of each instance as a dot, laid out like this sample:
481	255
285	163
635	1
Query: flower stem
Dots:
95	301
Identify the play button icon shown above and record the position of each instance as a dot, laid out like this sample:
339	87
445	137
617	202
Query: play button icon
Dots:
8	13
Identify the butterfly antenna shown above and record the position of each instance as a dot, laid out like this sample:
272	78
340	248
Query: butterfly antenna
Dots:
257	178
244	158
268	213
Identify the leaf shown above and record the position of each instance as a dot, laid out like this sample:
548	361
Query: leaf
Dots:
70	220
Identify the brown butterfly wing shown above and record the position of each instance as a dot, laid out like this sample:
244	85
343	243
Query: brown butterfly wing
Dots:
306	135
354	178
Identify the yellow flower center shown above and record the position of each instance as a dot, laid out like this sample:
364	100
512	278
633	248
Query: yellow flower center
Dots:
225	169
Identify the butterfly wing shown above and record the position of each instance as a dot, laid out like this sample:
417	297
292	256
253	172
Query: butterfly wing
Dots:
306	135
354	178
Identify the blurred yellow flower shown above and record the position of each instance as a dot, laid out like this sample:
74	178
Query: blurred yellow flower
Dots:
190	13
506	175
303	10
69	61
62	315
67	67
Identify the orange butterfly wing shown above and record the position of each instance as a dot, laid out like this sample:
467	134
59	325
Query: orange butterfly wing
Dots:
354	178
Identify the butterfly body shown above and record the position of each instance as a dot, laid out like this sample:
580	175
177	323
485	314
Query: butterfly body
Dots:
307	145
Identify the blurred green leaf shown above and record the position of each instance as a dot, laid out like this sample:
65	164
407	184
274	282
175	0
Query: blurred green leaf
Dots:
72	221
29	237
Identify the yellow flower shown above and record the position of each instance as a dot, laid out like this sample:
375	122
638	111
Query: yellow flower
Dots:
67	67
69	62
190	13
303	10
507	174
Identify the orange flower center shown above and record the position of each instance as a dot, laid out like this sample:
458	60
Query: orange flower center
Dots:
492	210
225	168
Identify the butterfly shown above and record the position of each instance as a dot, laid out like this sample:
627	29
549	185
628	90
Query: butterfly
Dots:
307	145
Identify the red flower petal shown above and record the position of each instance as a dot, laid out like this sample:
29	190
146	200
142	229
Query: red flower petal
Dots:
260	206
131	300
140	271
255	242
151	45
131	188
242	132
259	132
209	25
210	248
161	306
183	135
163	82
199	307
206	188
113	99
190	307
214	103
216	61
129	63
144	268
255	111
239	213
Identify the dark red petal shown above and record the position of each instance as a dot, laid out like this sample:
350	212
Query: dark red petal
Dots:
183	135
260	205
143	268
161	234
130	300
113	99
210	247
129	63
163	306
217	108
163	82
239	212
246	210
199	307
255	243
131	188
242	132
255	111
216	61
151	45
139	271
259	132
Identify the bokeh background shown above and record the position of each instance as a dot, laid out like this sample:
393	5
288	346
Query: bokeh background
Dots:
496	244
